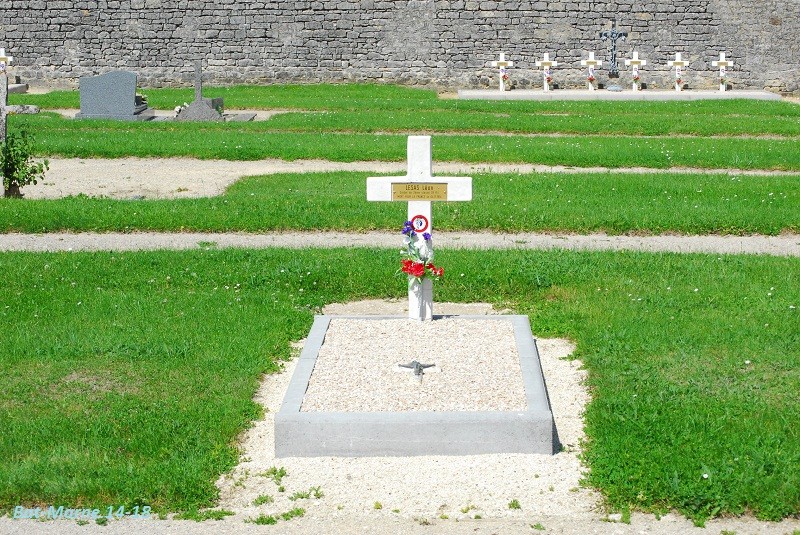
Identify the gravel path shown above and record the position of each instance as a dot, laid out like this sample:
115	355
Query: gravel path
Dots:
788	245
126	178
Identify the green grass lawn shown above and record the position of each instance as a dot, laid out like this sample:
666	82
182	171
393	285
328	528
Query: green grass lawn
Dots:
110	139
610	202
128	376
389	98
361	122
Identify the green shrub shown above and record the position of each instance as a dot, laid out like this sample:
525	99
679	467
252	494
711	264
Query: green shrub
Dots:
17	165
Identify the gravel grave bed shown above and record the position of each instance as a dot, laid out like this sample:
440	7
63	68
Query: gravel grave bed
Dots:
477	367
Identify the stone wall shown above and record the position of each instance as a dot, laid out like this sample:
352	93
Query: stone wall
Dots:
447	44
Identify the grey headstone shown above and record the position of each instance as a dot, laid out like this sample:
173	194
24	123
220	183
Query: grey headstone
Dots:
112	96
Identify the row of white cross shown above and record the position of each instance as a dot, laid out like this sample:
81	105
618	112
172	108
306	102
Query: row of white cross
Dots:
545	62
634	62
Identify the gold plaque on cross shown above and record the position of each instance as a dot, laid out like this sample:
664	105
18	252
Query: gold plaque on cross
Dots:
419	191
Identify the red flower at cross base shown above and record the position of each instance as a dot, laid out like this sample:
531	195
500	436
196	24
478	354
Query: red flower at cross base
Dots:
417	255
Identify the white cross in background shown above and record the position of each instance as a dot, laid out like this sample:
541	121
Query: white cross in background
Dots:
635	62
591	63
722	64
501	64
678	64
419	188
546	63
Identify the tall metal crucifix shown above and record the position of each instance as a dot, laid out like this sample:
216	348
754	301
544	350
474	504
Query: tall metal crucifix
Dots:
613	35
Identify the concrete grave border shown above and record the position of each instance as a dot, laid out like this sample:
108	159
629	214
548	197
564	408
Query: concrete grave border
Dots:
370	434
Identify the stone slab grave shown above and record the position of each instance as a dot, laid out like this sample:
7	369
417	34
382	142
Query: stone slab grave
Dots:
349	398
652	95
421	385
208	109
15	86
112	96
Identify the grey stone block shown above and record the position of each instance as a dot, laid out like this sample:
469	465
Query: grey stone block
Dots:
369	434
22	109
239	117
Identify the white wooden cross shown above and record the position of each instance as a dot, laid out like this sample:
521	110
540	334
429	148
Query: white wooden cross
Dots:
419	187
635	63
678	63
4	62
501	65
591	63
546	63
722	64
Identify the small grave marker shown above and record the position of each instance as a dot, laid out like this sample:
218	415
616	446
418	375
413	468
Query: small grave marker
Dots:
207	109
501	65
419	188
546	63
678	64
635	63
723	64
201	109
591	63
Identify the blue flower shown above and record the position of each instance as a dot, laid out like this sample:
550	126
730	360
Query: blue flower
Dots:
427	236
